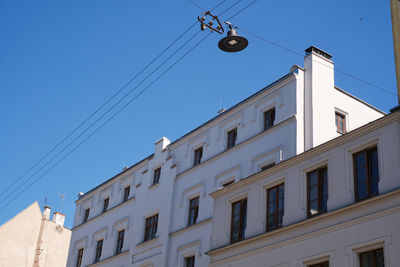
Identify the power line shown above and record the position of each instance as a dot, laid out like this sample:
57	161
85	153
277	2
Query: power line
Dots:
196	5
99	108
301	55
229	8
108	120
107	111
96	111
102	116
241	10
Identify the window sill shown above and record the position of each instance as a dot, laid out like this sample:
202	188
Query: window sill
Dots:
123	253
103	213
147	242
193	226
154	186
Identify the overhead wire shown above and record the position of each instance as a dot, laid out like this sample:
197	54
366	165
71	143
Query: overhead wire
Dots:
97	110
102	116
104	123
196	5
94	113
301	55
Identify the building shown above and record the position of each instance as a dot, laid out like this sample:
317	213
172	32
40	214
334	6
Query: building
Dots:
159	211
335	205
32	239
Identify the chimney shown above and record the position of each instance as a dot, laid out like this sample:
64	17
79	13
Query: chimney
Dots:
58	218
319	89
46	212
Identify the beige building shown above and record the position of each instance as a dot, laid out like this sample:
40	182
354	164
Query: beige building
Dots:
32	239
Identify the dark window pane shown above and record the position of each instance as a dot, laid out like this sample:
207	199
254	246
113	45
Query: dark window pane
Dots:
275	207
232	138
269	118
317	192
238	220
126	193
373	258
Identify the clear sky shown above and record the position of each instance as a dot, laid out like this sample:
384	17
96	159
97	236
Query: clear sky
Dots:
60	60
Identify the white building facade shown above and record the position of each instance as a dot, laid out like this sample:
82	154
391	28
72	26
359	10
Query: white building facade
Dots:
356	223
159	212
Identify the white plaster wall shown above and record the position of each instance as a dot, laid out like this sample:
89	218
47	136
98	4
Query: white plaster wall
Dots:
358	112
294	99
338	159
55	244
322	99
339	246
18	237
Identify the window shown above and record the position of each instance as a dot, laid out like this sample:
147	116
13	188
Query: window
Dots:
340	121
198	153
317	191
79	259
232	134
105	204
189	261
238	220
86	217
98	250
268	166
372	258
193	210
275	205
269	118
151	227
366	173
322	264
127	190
120	241
156	176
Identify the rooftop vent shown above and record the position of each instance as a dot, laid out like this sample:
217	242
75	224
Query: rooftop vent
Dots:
317	51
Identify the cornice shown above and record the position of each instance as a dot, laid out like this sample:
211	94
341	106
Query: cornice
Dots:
104	213
326	216
191	227
253	138
363	130
234	109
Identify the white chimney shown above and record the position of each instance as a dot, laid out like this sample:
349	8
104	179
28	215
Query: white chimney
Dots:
319	89
58	218
46	212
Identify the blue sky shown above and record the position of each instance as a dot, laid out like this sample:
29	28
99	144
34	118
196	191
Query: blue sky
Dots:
60	60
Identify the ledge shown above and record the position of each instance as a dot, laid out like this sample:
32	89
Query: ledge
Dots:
237	146
103	213
125	252
145	243
154	186
331	144
350	208
191	227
